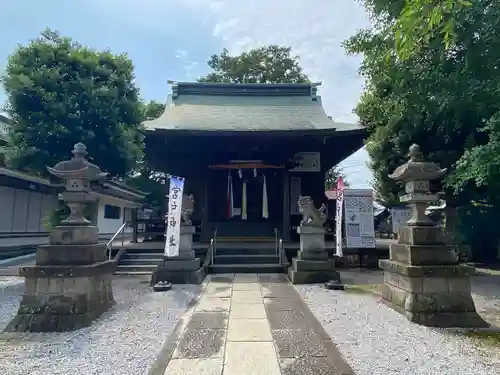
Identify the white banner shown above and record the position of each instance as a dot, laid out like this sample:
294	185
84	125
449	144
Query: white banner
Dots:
338	217
359	219
173	222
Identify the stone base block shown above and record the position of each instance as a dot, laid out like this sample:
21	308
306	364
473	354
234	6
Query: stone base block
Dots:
62	303
311	277
447	271
74	235
179	264
445	310
178	276
312	265
425	235
318	255
70	254
311	239
423	255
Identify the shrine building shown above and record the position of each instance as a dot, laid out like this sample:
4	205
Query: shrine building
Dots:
247	152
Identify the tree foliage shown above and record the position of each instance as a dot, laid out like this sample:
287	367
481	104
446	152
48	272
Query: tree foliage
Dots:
268	64
443	95
60	93
332	176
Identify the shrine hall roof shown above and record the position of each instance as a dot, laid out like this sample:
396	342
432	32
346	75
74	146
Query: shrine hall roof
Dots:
246	108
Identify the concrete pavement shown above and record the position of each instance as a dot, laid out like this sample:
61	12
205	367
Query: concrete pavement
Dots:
248	324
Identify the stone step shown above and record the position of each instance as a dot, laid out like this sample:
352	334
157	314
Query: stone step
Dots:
244	251
246	268
137	267
133	273
246	259
155	256
139	261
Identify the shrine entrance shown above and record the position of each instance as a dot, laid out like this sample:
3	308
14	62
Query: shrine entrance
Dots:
245	200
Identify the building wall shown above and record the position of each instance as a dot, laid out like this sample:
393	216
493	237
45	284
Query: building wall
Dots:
107	220
23	211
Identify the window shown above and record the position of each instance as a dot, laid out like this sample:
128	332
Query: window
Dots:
112	212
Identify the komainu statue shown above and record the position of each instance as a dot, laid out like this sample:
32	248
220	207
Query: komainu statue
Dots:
187	209
311	216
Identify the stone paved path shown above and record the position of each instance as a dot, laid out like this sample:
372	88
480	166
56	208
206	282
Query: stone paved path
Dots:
247	324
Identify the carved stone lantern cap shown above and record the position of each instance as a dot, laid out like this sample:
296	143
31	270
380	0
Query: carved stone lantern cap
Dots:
416	169
77	167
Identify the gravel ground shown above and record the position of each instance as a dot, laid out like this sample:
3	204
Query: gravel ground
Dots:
125	340
375	340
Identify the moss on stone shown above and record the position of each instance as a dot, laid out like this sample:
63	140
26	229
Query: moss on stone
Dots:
488	337
365	289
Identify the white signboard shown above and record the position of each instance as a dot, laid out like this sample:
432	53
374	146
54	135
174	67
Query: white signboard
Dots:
295	193
338	217
173	222
308	162
359	220
399	216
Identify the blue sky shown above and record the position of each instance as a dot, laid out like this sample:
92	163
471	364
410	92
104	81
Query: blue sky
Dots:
173	39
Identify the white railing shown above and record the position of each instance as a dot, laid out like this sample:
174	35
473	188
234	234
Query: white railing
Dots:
109	245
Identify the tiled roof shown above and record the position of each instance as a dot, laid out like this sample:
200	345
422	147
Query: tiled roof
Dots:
212	110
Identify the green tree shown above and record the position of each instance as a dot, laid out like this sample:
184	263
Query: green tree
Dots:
444	97
60	93
332	176
268	64
151	110
145	178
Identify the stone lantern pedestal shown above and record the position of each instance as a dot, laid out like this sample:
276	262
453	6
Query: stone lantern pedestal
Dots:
70	284
422	278
184	268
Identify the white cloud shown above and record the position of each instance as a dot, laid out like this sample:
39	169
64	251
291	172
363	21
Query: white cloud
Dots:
315	31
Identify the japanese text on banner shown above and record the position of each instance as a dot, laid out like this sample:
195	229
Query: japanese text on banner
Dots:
338	217
173	222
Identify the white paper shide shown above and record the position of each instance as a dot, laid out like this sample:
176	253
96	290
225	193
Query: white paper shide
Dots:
173	222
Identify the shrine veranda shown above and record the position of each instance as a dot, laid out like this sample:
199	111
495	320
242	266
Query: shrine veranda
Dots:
247	151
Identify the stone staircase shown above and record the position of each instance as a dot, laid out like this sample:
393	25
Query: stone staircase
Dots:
246	258
139	262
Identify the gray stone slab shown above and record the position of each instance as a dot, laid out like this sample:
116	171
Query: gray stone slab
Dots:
226	279
282	304
287	319
201	343
250	358
208	320
278	291
273	279
248	330
218	290
208	304
310	366
298	344
248	311
200	366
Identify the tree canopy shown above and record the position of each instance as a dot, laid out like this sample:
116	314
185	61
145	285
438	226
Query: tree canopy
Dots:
332	176
60	93
268	64
442	95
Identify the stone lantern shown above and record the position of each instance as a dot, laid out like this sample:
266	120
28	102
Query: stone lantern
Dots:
422	278
70	284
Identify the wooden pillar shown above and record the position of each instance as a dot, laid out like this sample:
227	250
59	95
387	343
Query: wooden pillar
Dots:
286	206
205	230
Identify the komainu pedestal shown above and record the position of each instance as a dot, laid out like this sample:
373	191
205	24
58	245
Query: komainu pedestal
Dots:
312	264
184	268
422	278
70	284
